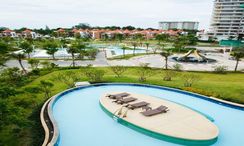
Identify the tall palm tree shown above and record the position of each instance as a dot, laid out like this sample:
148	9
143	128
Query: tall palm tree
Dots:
20	57
238	54
134	44
123	48
27	47
166	55
147	45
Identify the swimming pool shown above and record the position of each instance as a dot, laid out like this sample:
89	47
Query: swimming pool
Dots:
118	51
81	121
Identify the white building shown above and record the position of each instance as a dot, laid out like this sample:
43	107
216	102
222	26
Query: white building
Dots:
188	25
227	19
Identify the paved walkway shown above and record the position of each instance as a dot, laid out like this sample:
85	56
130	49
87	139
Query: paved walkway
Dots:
153	60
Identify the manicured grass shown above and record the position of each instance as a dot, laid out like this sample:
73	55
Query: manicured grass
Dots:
225	86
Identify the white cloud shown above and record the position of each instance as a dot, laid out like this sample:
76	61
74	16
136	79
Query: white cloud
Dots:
65	13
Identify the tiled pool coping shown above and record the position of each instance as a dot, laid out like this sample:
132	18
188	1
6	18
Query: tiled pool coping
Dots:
55	139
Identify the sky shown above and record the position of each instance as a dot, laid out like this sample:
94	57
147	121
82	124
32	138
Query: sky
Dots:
67	13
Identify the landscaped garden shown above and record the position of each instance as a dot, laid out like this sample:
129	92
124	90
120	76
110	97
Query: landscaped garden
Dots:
23	95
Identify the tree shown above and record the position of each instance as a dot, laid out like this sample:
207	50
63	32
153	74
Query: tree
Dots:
124	48
134	44
119	37
27	47
161	37
4	50
166	55
238	53
147	45
118	70
34	63
46	86
144	71
180	42
72	50
51	47
20	57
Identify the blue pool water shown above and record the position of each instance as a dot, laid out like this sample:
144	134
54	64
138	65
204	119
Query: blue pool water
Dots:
82	122
118	51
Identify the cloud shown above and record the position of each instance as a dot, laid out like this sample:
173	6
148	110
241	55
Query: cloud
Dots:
66	13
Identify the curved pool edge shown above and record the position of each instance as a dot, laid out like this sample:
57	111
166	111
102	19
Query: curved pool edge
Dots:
159	136
55	139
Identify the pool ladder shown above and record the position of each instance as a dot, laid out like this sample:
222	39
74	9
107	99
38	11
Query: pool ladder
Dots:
119	112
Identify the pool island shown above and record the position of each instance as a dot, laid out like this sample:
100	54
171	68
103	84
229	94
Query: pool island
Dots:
160	118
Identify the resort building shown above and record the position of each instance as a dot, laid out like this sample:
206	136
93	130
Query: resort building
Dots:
29	34
227	19
9	33
187	25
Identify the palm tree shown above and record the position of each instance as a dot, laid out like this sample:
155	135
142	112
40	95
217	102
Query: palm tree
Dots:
27	47
134	44
147	45
20	57
166	55
51	48
123	48
238	54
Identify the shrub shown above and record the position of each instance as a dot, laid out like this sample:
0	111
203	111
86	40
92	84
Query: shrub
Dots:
94	75
168	75
144	71
190	79
118	70
220	69
178	67
34	63
68	78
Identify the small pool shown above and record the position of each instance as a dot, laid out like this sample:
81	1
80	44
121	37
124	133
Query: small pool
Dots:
117	51
82	122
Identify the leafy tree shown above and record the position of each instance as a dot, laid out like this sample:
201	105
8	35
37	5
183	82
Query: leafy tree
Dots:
91	53
129	28
166	55
238	53
45	87
20	57
27	47
46	65
119	37
72	50
118	70
51	47
162	37
12	77
34	63
4	50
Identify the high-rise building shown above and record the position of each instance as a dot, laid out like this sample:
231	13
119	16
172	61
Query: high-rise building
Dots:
227	19
168	25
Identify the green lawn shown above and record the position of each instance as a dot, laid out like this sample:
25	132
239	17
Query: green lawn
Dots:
225	86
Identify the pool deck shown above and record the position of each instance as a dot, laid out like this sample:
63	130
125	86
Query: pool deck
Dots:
179	122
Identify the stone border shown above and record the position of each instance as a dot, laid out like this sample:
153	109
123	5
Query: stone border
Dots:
55	138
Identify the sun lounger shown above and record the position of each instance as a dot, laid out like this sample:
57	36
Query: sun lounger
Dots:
137	105
146	108
159	110
116	96
126	100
